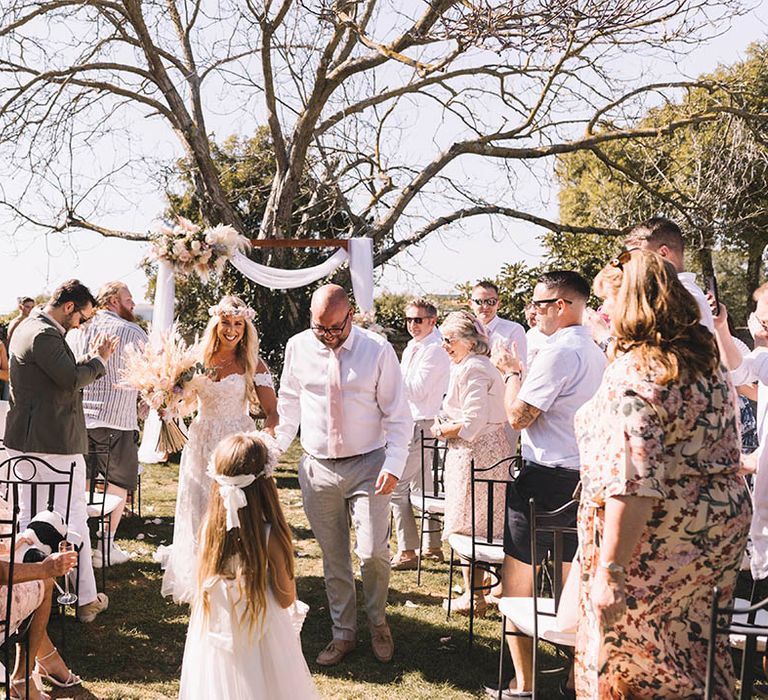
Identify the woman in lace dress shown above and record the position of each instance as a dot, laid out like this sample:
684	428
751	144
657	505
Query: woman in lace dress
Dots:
472	422
239	381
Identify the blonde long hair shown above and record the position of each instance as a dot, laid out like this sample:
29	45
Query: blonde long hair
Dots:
247	351
246	545
659	320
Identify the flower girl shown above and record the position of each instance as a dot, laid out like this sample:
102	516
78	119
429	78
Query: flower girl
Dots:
241	641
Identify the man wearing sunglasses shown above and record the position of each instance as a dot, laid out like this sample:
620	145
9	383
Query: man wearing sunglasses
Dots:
566	373
664	237
484	303
426	369
343	386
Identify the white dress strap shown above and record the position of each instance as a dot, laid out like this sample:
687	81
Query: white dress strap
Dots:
263	379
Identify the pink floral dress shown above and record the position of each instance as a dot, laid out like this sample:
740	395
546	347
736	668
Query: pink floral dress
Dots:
679	445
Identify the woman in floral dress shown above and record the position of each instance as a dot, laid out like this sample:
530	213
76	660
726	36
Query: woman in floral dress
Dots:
663	515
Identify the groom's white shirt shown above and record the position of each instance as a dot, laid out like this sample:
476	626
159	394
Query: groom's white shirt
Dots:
375	410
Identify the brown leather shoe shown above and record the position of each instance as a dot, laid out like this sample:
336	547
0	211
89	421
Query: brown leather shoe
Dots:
335	652
433	555
382	644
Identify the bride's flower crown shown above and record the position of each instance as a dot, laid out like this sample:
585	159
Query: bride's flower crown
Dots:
228	310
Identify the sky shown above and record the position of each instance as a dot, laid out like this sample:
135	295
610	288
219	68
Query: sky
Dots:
34	264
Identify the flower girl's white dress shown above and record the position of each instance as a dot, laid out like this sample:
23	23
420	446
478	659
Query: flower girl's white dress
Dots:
224	660
222	411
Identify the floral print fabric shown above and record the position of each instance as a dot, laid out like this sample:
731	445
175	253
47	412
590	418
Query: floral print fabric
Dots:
678	444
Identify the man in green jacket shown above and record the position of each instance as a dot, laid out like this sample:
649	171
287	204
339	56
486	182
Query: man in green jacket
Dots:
45	417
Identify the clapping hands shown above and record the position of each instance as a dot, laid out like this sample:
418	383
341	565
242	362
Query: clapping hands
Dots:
104	345
506	358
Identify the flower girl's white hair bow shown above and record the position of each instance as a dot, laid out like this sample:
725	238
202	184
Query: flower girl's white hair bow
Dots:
231	487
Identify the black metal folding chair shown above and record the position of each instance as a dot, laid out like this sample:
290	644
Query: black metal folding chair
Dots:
430	500
485	552
746	624
536	617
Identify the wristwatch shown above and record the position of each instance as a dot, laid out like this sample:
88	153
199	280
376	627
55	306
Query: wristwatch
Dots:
605	343
512	374
613	568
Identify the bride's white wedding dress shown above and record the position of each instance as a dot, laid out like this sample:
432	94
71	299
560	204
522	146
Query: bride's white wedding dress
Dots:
222	410
224	659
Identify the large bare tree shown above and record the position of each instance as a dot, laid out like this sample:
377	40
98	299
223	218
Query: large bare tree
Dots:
388	106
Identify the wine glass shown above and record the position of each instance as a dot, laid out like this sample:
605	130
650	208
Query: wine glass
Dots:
66	598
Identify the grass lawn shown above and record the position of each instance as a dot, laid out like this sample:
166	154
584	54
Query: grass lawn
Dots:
134	650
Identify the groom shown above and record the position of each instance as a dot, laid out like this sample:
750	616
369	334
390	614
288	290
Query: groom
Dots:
343	386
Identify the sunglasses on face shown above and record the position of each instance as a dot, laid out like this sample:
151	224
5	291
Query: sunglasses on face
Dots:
418	320
485	302
539	304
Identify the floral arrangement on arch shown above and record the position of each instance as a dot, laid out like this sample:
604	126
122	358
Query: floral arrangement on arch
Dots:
191	249
162	377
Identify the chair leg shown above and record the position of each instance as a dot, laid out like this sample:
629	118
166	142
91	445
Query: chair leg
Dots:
471	603
501	653
450	586
421	549
138	488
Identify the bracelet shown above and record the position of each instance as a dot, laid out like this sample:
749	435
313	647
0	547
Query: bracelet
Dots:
613	568
519	375
605	344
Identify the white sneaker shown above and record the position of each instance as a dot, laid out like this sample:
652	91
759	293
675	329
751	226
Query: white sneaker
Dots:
116	556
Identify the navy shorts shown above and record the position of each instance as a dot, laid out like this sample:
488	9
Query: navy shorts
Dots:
551	488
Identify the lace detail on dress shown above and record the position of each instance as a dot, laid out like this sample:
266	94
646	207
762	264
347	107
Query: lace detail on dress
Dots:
222	411
263	379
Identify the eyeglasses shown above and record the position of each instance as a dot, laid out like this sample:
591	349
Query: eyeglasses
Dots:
485	302
418	320
540	304
333	331
448	341
622	259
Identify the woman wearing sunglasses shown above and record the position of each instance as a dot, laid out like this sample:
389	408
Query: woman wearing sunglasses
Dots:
663	514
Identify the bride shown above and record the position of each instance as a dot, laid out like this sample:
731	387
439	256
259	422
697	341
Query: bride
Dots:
238	382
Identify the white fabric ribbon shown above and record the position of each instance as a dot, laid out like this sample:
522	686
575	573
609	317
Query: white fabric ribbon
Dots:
233	496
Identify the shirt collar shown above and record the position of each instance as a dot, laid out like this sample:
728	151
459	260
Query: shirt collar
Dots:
433	337
686	276
570	330
55	323
492	324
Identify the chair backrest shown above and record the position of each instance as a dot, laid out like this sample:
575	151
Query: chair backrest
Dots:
484	483
96	479
721	623
38	480
433	451
8	530
546	521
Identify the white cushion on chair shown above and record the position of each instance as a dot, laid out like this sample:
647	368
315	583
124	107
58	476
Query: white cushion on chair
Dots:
738	640
519	611
431	504
489	553
111	501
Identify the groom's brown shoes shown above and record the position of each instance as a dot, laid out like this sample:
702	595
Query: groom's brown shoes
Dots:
382	643
335	652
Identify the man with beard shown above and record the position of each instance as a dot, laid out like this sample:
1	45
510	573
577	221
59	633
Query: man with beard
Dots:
45	418
343	386
111	409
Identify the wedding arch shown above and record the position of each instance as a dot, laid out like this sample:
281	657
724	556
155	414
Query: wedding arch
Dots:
188	249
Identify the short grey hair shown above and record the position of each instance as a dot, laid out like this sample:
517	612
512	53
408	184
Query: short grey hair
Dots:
466	327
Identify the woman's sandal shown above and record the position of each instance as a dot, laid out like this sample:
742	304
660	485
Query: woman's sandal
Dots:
21	683
71	680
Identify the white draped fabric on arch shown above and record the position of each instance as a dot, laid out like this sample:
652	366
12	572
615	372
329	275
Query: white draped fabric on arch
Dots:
359	255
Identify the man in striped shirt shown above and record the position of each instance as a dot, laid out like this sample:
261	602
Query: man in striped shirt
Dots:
110	409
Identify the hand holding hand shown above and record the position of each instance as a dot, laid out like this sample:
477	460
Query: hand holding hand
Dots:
385	484
434	429
608	599
59	563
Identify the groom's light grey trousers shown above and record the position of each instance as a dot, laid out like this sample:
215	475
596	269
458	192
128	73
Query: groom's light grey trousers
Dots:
335	490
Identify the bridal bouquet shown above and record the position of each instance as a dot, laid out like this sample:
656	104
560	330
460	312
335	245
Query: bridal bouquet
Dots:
191	249
162	377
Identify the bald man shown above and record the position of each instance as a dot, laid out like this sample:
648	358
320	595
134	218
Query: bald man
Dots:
343	386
